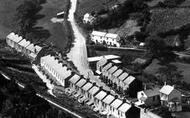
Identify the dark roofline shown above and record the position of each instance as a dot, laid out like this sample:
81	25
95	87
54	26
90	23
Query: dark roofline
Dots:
107	95
91	86
101	88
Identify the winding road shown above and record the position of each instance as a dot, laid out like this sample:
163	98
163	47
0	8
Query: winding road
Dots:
78	53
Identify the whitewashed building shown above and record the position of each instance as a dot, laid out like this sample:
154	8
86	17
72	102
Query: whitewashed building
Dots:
22	46
119	79
13	39
88	18
171	97
106	104
98	99
32	50
108	39
91	94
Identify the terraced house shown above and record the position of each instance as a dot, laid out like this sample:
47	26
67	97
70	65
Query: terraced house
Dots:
104	38
56	70
22	45
100	100
118	79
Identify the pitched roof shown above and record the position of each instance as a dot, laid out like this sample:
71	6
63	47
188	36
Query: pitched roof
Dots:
61	70
108	99
101	62
98	58
112	69
123	76
167	89
87	86
32	48
24	43
81	82
111	35
124	107
74	79
117	73
129	80
93	90
97	33
106	67
101	95
116	61
14	37
151	92
116	103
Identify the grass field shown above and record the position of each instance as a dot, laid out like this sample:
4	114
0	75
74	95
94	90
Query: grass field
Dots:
87	6
7	17
49	10
163	20
56	30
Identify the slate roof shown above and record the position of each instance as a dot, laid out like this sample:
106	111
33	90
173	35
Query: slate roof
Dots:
129	80
87	86
118	72
81	82
108	99
112	69
101	95
116	103
123	76
74	79
167	89
124	107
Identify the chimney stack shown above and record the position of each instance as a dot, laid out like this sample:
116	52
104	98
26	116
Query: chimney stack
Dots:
144	86
165	83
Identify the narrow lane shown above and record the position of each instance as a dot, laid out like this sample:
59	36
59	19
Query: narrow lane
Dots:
78	53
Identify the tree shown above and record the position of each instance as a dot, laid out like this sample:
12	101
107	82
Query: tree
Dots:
156	45
26	13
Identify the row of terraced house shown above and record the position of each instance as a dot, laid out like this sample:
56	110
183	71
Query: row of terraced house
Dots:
121	81
117	78
22	45
85	91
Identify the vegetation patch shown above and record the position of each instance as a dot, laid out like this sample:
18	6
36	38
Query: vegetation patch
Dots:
163	20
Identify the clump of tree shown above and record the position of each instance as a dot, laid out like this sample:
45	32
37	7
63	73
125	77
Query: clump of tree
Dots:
26	19
116	17
171	3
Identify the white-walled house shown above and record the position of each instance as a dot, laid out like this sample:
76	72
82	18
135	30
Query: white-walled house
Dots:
171	97
22	46
88	18
98	37
32	50
114	107
91	94
149	97
115	76
106	103
56	70
109	39
13	39
111	71
98	99
73	80
78	87
112	39
85	90
128	110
